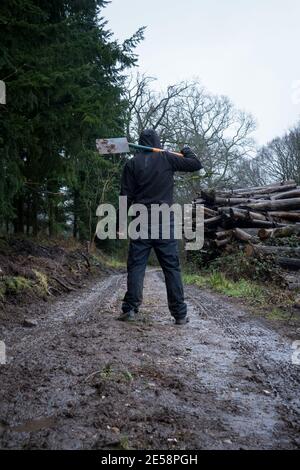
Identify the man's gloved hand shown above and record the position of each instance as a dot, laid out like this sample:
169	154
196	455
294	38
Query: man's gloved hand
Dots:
188	152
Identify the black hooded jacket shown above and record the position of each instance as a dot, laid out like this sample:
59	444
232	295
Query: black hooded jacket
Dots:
148	178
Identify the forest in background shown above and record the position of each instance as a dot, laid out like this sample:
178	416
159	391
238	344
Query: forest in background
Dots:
69	82
64	78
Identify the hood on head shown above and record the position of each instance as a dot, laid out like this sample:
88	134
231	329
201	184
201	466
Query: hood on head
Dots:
150	138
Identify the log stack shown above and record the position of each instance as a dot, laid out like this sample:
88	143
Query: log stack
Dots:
253	217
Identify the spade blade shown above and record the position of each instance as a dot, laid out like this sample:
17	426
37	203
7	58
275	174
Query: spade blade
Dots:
111	146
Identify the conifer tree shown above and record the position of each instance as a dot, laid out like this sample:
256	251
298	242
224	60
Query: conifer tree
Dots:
64	78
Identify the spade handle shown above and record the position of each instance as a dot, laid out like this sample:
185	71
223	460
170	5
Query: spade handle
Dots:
153	149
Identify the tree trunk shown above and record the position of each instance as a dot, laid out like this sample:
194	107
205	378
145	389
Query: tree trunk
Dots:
239	214
286	215
274	205
220	243
233	201
287	194
224	234
28	210
51	217
279	232
19	220
243	214
277	250
260	224
75	213
271	188
209	212
244	236
212	221
34	214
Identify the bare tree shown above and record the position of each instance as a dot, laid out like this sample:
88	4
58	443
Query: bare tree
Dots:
281	157
279	160
148	108
218	132
249	172
187	114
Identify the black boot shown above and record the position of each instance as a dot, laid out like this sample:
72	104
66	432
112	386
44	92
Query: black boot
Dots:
182	321
127	316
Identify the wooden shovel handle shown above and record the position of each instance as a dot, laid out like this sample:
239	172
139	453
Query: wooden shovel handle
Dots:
152	149
170	151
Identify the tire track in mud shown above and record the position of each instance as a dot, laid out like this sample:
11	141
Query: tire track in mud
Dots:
111	283
83	380
280	375
242	333
37	361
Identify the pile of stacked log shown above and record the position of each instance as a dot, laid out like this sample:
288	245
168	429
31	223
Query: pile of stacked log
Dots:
252	216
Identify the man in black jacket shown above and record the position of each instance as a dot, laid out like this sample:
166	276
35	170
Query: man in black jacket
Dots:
148	178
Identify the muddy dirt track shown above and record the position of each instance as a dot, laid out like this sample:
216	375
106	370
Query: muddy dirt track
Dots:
83	380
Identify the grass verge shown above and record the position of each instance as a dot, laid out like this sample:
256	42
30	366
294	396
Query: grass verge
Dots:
270	301
220	283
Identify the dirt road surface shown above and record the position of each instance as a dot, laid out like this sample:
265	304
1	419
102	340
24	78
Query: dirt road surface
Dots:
81	379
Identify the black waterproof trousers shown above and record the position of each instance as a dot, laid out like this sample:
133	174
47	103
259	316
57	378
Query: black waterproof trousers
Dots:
168	257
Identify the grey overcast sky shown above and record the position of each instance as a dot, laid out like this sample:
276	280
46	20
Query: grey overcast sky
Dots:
245	49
